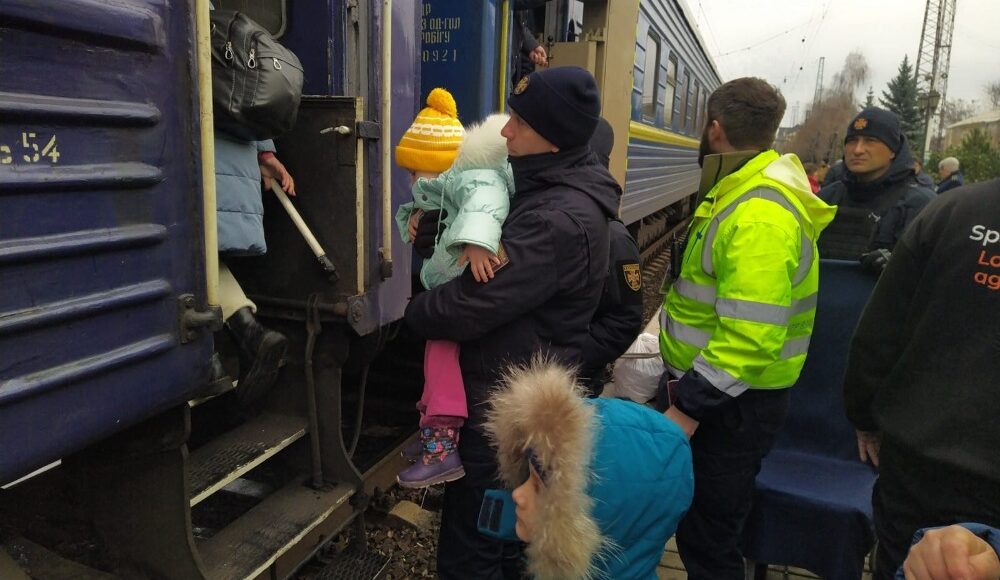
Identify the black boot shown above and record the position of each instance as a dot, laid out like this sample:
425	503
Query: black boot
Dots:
261	354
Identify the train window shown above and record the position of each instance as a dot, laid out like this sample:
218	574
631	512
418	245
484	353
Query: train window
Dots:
696	106
271	14
692	109
650	72
668	110
685	89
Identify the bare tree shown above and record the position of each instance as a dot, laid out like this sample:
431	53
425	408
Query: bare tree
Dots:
955	110
993	94
821	135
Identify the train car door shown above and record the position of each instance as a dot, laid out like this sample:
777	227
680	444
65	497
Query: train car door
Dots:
101	231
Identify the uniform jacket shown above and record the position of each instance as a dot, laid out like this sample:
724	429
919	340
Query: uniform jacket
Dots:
475	193
954	180
924	363
240	208
740	314
618	319
555	245
898	186
617	475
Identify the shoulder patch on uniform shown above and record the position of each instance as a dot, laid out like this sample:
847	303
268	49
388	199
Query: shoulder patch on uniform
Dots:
632	276
521	85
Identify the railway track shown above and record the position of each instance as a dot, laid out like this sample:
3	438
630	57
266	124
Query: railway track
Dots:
654	257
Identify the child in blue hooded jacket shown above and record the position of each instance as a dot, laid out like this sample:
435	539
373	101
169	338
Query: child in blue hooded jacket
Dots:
464	174
599	484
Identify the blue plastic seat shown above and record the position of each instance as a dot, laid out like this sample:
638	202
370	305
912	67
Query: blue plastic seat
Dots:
812	506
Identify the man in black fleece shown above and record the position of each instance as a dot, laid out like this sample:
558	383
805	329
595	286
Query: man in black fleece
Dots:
923	377
546	286
877	196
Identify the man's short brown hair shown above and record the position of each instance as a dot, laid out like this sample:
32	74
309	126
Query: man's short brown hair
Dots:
749	110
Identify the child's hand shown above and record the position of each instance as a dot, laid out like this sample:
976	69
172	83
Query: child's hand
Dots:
480	260
411	226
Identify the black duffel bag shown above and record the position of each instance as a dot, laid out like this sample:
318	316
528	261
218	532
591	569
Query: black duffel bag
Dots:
256	82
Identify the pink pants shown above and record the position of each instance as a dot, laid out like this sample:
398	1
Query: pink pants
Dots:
443	401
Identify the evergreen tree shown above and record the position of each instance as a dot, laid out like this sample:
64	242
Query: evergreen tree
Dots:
869	99
901	99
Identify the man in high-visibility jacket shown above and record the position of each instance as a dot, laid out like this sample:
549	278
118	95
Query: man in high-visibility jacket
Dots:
736	323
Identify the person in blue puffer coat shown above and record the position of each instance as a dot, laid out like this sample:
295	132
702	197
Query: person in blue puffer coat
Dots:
239	168
599	484
463	174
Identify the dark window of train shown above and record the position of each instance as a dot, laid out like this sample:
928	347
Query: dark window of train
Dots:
649	81
685	88
692	110
668	109
695	100
270	14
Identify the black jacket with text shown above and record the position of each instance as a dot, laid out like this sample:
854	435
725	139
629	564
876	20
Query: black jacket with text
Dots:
924	364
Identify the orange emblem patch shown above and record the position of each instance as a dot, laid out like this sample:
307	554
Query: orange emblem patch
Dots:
633	277
860	124
521	85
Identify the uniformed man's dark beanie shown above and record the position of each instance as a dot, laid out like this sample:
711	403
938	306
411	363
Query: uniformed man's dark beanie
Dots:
878	123
561	104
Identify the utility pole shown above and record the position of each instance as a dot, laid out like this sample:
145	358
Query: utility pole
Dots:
818	94
933	62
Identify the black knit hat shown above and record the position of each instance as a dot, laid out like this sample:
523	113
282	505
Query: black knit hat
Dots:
561	104
878	123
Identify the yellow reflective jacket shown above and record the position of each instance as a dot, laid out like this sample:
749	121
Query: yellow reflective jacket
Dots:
741	310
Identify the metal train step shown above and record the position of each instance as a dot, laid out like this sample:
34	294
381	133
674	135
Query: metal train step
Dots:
248	546
226	458
349	565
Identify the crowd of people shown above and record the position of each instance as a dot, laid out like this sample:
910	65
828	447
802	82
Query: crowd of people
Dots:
530	278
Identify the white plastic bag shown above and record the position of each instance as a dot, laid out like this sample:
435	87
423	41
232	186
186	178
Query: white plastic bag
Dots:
637	372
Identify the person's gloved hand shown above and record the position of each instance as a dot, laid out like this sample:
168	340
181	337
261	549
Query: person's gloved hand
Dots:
427	231
875	261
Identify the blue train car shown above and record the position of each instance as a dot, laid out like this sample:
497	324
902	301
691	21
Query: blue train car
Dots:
106	321
101	235
673	77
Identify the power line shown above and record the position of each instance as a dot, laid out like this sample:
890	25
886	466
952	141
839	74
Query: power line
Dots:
766	40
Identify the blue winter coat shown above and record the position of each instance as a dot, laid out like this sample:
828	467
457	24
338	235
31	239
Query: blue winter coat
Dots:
642	485
238	202
617	475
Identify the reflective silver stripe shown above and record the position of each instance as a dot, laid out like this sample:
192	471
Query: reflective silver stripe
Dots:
752	311
795	347
694	291
719	378
805	255
683	332
804	304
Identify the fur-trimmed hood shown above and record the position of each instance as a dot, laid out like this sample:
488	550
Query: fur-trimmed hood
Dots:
617	475
540	407
484	147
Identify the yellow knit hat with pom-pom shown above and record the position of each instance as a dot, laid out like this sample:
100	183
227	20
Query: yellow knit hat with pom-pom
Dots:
431	143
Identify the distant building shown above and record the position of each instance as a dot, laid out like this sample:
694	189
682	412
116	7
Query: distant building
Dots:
989	122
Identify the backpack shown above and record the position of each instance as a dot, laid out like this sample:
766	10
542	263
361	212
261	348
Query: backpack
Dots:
256	82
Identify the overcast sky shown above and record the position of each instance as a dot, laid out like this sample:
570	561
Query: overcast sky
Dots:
787	38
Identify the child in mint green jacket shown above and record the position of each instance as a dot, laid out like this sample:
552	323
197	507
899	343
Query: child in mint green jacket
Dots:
474	194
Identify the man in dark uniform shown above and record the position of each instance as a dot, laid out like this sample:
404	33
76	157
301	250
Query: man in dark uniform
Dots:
877	196
618	319
921	385
552	267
